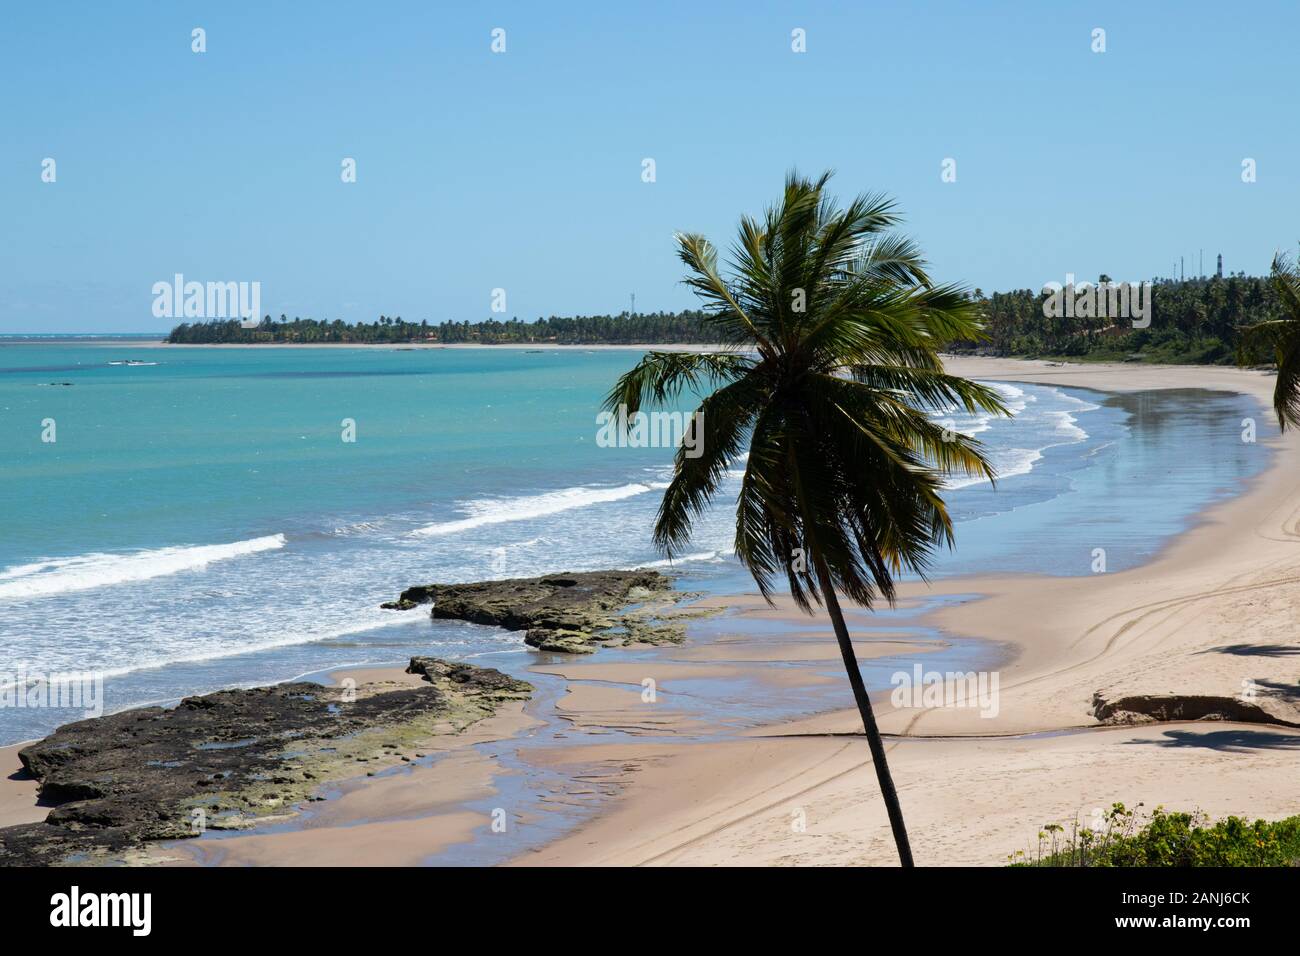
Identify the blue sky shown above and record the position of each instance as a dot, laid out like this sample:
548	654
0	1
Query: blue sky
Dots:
522	170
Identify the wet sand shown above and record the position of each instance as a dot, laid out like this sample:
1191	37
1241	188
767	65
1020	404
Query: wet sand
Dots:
19	799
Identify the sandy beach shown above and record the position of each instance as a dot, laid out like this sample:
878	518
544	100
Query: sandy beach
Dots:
1212	617
1217	608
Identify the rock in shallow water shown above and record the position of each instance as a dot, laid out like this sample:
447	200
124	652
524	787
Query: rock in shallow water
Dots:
573	613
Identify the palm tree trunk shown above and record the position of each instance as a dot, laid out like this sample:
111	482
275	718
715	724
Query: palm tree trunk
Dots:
868	718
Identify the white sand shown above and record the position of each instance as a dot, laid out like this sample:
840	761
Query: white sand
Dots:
980	795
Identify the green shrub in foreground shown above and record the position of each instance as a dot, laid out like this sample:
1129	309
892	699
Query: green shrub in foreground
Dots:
1167	839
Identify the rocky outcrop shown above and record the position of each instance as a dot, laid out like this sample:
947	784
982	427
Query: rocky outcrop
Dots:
572	613
229	759
419	594
411	597
1150	708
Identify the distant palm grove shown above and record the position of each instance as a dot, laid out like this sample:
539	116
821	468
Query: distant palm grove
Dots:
655	327
1192	321
1195	321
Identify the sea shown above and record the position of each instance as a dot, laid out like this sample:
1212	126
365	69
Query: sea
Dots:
180	520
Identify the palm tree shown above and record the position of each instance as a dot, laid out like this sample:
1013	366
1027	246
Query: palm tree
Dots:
1282	338
832	376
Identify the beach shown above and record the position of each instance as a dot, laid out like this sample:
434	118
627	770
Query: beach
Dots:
678	780
1216	608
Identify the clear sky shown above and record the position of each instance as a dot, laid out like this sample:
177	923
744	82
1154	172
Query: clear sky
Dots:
523	170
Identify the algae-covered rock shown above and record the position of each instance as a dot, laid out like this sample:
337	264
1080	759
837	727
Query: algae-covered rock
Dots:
228	759
571	613
563	641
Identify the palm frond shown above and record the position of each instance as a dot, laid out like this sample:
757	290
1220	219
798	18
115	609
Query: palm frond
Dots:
724	313
723	419
1281	337
661	377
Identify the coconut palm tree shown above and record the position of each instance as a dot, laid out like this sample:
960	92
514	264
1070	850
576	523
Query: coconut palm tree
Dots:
1282	338
832	381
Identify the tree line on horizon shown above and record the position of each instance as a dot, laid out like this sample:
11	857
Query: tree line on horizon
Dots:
649	328
1193	321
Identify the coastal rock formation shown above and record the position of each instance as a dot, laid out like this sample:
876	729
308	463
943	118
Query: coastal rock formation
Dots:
228	759
573	613
1151	708
411	597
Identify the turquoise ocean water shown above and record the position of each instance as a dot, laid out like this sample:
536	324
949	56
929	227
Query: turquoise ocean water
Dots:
199	521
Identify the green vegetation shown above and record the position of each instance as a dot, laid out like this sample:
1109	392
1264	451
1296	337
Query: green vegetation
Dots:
1280	339
1167	839
1196	321
652	328
835	327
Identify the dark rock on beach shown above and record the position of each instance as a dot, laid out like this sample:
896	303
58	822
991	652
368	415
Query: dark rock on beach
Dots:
1156	708
229	759
560	600
572	613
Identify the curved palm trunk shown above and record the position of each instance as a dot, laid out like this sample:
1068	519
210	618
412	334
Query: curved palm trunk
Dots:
868	718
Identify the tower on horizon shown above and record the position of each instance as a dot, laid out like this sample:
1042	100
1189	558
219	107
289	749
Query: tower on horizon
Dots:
1219	271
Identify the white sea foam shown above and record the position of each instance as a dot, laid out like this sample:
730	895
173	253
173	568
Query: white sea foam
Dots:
359	528
488	511
1065	424
1015	398
96	570
180	652
1011	462
1083	405
971	424
711	556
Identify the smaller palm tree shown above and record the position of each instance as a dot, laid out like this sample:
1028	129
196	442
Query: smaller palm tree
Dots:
834	385
1281	337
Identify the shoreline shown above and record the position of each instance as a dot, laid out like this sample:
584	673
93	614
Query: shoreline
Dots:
973	789
433	811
